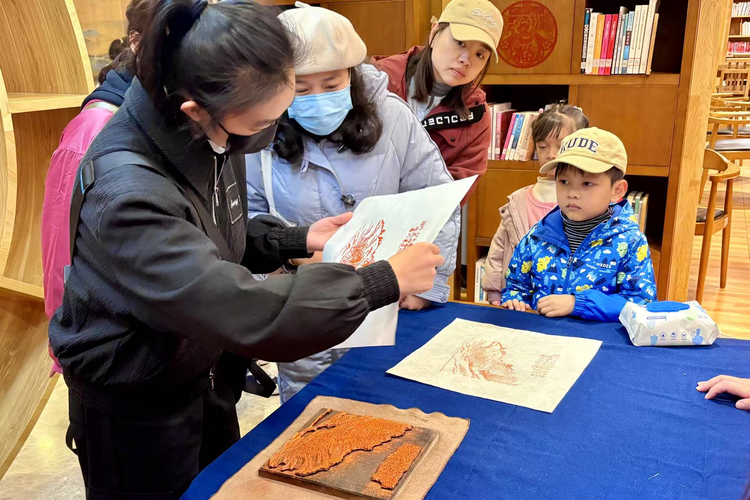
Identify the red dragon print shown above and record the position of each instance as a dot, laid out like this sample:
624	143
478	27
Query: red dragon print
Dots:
360	251
411	236
481	359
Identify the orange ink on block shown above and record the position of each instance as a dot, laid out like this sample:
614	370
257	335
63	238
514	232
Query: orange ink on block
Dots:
323	444
395	465
360	251
481	359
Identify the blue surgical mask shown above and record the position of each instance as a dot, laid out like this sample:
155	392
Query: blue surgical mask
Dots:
322	114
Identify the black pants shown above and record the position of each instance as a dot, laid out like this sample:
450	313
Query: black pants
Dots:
154	457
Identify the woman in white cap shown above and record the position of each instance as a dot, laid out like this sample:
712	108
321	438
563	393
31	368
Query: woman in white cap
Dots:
440	82
344	138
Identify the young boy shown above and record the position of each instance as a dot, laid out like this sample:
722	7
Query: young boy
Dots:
587	257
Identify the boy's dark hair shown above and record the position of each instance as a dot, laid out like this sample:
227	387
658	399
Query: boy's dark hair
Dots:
360	131
419	67
615	174
227	56
552	120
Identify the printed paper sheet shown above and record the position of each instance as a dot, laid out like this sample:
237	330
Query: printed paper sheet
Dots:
511	366
383	226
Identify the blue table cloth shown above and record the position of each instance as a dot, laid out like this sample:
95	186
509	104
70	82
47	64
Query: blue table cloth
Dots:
633	426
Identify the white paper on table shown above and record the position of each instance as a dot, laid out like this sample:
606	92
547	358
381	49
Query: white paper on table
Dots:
493	362
381	227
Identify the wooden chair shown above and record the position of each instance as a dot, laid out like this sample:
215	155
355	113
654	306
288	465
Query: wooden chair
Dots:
734	79
731	148
725	104
719	220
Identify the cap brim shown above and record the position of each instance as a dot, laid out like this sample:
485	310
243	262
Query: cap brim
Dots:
586	164
464	32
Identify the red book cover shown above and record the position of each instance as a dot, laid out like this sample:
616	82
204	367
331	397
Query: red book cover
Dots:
611	46
507	136
501	130
605	43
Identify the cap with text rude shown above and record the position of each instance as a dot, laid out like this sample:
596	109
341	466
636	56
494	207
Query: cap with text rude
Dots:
592	150
476	20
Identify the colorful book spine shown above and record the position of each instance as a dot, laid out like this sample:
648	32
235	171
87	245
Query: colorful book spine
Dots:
525	146
617	58
611	44
508	137
628	41
598	43
516	136
621	57
584	50
638	33
591	43
493	128
634	40
646	50
605	44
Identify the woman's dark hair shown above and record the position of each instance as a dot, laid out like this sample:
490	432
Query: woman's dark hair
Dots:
419	67
359	132
552	120
139	14
226	56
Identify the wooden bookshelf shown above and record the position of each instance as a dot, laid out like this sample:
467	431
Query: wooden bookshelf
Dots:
660	119
731	31
44	76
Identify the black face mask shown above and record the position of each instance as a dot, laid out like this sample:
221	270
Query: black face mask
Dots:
249	144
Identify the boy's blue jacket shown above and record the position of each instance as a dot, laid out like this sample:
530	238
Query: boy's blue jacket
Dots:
612	266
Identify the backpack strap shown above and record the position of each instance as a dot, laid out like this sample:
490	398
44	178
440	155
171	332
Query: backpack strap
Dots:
99	167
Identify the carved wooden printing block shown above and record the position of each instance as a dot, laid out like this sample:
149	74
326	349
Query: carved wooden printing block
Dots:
348	455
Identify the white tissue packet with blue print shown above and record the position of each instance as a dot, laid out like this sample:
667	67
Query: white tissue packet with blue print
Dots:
669	324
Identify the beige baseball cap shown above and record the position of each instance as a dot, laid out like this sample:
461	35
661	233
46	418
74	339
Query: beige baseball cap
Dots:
329	39
476	20
592	150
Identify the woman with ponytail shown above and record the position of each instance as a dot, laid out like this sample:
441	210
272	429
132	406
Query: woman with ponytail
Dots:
160	308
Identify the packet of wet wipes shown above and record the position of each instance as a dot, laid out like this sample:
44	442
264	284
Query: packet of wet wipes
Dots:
669	324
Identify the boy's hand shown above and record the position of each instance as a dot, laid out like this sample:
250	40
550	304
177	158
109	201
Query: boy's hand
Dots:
516	305
494	302
555	306
733	385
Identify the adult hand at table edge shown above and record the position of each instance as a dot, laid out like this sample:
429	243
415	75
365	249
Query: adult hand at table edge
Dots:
416	267
725	383
321	231
413	303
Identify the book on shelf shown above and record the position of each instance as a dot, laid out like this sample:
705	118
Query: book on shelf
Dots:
617	57
525	149
626	48
622	43
639	202
605	43
584	50
480	296
591	43
741	9
516	136
499	118
598	44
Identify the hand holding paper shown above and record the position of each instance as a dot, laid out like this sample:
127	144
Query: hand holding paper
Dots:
391	227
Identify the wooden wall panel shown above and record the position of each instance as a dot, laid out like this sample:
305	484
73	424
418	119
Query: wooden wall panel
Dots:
642	117
492	193
382	25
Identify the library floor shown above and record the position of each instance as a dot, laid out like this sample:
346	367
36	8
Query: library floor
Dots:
45	469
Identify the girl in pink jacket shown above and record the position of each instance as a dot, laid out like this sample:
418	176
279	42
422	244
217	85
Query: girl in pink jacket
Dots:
529	204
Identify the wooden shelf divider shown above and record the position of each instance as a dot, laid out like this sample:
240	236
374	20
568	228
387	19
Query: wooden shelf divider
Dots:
19	102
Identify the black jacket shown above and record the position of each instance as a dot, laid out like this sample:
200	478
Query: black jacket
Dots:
149	305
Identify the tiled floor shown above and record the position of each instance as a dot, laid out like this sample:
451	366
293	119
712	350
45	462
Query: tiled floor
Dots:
46	470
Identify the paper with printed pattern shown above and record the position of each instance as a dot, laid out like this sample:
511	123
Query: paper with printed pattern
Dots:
381	227
502	364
